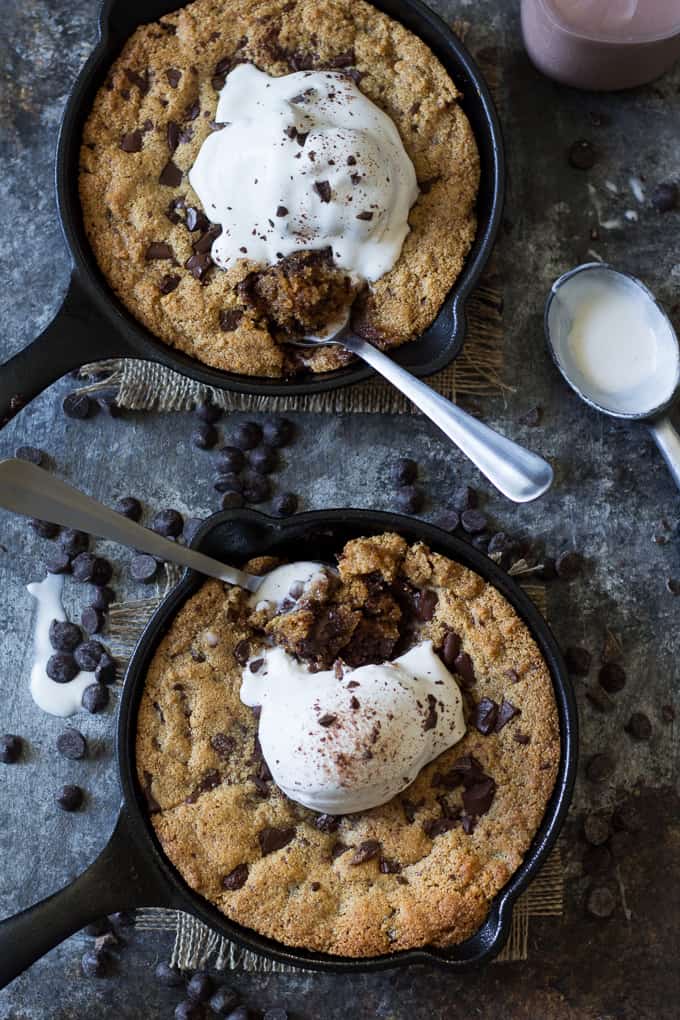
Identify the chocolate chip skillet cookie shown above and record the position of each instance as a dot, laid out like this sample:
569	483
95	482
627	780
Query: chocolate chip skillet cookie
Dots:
252	169
406	712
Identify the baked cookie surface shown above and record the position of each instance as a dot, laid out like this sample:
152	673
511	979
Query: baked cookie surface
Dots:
148	122
424	867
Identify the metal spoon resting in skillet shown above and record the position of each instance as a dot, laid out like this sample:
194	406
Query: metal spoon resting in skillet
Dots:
518	473
30	490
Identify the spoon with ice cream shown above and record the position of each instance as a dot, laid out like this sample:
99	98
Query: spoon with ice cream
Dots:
617	349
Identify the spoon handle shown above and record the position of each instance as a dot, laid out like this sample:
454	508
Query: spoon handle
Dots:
517	473
27	489
667	439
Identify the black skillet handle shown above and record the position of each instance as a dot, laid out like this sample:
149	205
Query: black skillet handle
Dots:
76	335
119	879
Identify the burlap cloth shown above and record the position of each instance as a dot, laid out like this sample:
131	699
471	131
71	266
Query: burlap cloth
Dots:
478	372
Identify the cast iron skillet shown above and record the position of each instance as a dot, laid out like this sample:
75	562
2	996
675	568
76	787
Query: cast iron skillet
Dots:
92	323
132	870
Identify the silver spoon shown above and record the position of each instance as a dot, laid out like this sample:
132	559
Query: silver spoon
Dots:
564	295
517	473
29	490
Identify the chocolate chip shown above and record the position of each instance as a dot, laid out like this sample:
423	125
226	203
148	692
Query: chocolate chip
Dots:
95	698
578	660
322	188
45	529
262	459
188	1010
501	544
208	412
92	620
506	712
473	521
450	649
158	250
256	487
131	141
70	797
232	501
569	565
129	507
200	987
237	878
86	567
449	520
31	454
485	716
438	826
410	807
638	726
478	797
143	568
278	432
105	672
365	215
601	902
64	636
224	1002
168	976
10	748
665	197
247	436
57	562
73	542
71	744
61	667
327	823
272	839
78	406
205	241
168	523
366	851
410	498
171	175
465	669
668	713
173	76
228	483
230	460
521	738
172	135
599	767
88	654
192	111
230	319
426	603
405	471
327	720
464	498
581	155
612	677
204	436
285	504
242	652
596	829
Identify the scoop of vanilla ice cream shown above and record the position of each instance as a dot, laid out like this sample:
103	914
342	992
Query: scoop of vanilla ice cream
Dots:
304	161
339	745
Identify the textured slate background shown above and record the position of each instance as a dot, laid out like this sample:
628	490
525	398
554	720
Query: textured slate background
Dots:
611	498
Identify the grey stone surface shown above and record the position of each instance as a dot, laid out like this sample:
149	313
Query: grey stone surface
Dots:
611	498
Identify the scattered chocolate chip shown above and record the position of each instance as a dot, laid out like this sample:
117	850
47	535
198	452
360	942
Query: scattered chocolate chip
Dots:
366	851
327	720
638	726
129	507
230	319
256	487
464	498
88	654
61	667
31	454
473	521
464	668
506	712
92	620
131	141
521	738
477	797
434	827
256	665
410	807
278	432
665	197
168	523
143	568
171	175
168	976
262	459
450	649
668	713
192	111
230	460
327	823
70	797
485	716
596	829
581	155
73	542
322	188
57	562
64	636
569	565
224	1002
45	529
168	284
95	698
272	839
612	677
449	520
247	436
236	879
578	660
105	670
285	504
599	768
173	76
200	987
242	652
188	1010
208	412
410	498
232	500
500	544
86	567
158	250
77	405
204	436
601	902
72	744
425	605
10	748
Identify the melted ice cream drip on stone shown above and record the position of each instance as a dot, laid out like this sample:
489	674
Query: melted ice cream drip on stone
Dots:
304	162
340	741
